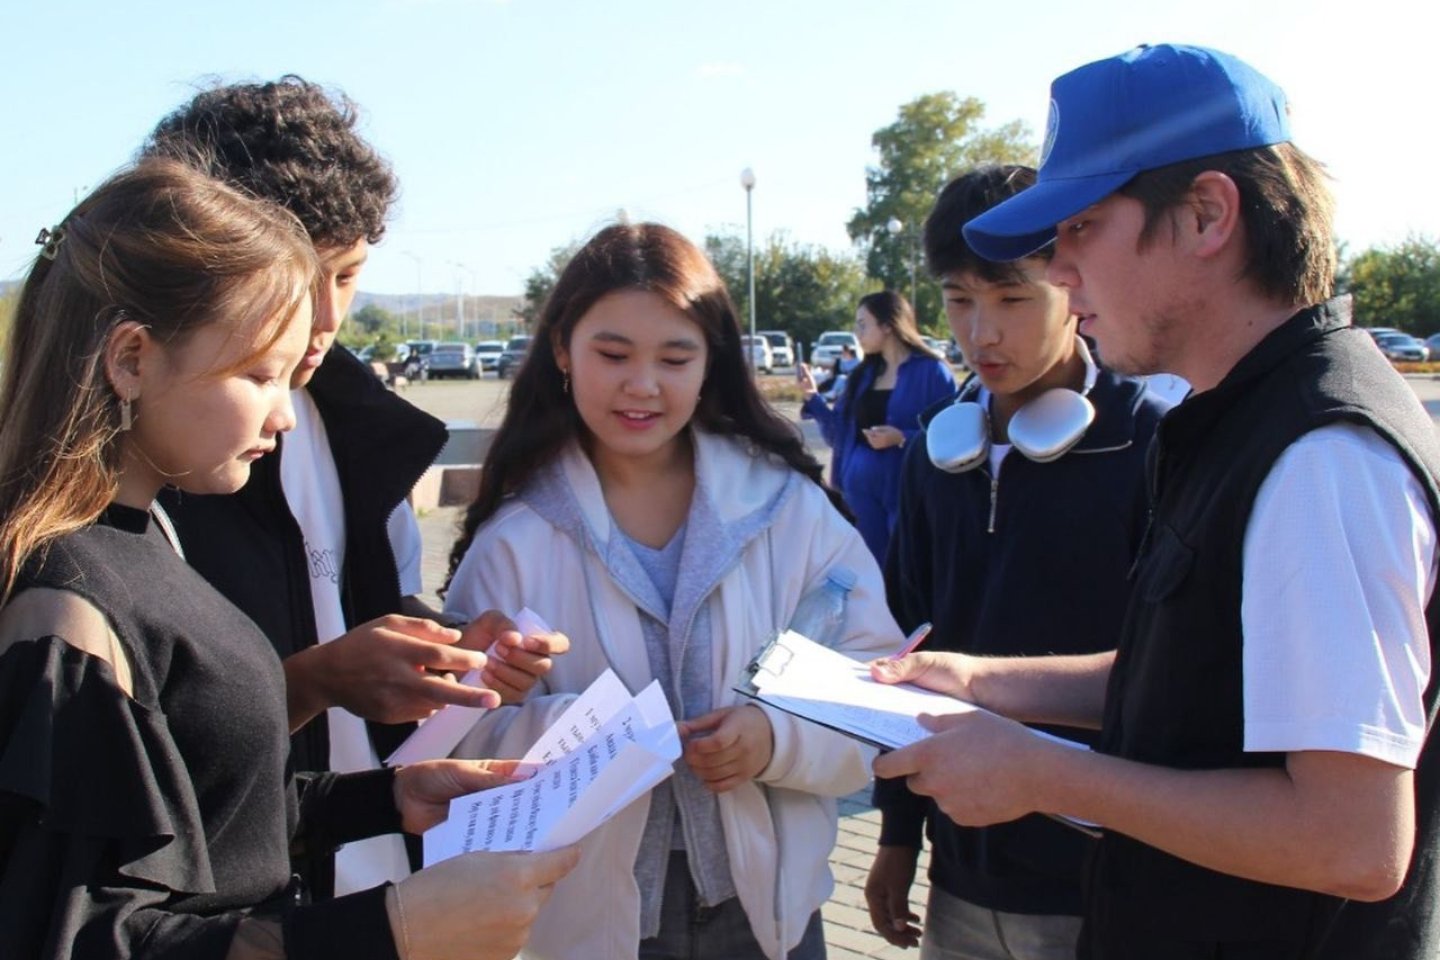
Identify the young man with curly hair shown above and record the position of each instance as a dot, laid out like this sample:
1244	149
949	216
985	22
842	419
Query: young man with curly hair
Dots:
321	547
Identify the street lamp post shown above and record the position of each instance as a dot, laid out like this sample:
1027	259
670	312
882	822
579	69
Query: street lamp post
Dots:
895	226
459	299
747	180
419	300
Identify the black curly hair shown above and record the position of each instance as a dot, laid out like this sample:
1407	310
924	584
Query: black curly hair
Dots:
290	142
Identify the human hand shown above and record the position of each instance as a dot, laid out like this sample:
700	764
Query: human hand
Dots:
887	894
980	768
948	673
884	436
423	790
729	746
393	669
477	906
806	379
515	662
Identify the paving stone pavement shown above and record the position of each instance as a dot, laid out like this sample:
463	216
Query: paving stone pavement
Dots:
848	935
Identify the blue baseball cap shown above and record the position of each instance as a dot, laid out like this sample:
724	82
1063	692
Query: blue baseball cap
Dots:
1109	120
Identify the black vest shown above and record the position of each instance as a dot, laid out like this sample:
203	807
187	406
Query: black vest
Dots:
1175	696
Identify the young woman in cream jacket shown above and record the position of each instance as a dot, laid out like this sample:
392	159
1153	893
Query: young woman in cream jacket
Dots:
642	498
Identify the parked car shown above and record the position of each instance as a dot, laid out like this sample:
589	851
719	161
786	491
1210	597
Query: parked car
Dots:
454	358
489	353
953	353
1402	347
514	355
758	349
939	347
824	351
1432	343
782	348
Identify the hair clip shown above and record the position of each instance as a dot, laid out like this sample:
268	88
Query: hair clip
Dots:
49	241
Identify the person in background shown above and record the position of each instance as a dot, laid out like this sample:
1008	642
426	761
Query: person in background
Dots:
1012	557
878	411
146	805
321	547
643	495
1265	771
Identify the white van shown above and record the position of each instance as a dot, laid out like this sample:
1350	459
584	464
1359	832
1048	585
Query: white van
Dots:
782	348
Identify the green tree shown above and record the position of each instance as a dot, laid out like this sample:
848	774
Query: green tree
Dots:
801	289
936	137
9	300
1398	286
542	280
372	318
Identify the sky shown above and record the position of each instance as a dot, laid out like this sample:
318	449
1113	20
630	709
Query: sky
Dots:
517	126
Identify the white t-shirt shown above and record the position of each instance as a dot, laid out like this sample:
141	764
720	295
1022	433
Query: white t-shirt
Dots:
403	531
1168	387
312	489
1339	560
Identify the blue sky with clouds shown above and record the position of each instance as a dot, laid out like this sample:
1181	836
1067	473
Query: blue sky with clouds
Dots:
518	126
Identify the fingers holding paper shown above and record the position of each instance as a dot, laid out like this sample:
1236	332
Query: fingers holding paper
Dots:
947	673
979	768
520	654
478	905
423	791
727	747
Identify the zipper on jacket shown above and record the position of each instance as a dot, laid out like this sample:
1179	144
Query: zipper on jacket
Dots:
994	496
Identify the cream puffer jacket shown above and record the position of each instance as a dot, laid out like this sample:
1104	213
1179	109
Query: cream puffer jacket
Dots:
779	828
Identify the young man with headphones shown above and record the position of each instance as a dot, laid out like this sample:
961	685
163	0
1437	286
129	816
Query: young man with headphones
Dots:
1019	517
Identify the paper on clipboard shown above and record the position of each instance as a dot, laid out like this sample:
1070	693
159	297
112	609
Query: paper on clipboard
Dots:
822	685
436	736
816	683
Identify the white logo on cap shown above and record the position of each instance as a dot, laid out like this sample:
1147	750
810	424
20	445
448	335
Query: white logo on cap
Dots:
1052	127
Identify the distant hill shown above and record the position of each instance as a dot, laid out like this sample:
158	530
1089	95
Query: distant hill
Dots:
485	316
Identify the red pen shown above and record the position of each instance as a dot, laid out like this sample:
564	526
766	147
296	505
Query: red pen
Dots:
913	641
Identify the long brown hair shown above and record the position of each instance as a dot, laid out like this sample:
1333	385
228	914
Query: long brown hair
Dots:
894	313
160	244
541	419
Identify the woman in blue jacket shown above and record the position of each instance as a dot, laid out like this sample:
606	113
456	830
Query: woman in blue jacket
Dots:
878	412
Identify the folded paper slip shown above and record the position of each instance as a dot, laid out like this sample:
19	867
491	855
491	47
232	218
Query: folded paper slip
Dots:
607	750
439	734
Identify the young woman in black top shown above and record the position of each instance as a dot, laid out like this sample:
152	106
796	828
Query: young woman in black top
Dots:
145	805
877	412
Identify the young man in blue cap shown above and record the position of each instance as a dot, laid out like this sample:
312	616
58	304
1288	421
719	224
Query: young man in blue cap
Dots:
1263	772
1011	557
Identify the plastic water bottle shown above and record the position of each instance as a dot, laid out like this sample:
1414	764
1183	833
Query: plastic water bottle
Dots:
820	615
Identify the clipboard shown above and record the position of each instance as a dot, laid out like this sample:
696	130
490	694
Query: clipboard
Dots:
773	660
840	695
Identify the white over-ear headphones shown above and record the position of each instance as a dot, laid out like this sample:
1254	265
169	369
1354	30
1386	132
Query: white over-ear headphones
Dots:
958	438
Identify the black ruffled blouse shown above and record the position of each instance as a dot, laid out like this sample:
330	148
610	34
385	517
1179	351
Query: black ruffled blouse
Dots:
151	825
